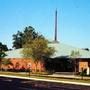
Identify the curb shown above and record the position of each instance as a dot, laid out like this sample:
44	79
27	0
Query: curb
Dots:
47	80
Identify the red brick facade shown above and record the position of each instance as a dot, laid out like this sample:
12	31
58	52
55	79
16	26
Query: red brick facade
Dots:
19	63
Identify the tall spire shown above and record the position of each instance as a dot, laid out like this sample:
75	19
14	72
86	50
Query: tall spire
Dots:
55	37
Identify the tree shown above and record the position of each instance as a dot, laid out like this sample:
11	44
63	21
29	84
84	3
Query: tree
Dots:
29	35
38	49
2	55
75	54
3	47
22	38
17	38
6	62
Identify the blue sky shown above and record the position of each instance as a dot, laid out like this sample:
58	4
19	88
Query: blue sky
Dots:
73	20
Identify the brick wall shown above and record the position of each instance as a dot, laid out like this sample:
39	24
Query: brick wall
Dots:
19	63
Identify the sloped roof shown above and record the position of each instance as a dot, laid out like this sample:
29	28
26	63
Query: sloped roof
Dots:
14	53
65	50
60	50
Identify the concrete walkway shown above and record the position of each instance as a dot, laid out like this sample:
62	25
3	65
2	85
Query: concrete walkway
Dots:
48	80
69	76
64	76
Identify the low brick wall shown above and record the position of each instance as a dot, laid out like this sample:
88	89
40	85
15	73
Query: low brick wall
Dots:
23	63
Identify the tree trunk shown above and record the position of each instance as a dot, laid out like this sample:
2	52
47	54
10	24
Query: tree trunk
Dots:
0	63
36	64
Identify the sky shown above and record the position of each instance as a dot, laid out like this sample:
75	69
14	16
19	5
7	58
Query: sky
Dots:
73	20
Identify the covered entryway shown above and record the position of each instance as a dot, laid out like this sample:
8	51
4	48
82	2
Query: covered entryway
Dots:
60	64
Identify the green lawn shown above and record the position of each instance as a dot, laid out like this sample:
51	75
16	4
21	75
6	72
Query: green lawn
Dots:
43	77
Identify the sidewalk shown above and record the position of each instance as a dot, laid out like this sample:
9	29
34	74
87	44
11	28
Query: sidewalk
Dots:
65	76
69	76
47	80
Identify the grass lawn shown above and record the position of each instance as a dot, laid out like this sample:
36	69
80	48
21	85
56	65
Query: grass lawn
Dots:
43	77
